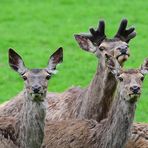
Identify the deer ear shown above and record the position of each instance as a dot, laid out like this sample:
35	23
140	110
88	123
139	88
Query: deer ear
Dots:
16	62
144	67
113	65
85	43
55	58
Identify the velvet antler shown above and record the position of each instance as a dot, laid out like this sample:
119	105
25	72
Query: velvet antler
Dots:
125	34
98	35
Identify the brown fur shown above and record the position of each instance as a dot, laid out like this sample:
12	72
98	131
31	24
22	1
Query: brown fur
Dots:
7	133
139	137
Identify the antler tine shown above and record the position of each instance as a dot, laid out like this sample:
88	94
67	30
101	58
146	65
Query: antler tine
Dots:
98	35
100	29
122	26
125	34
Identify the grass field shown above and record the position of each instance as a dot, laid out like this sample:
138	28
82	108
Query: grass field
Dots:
36	28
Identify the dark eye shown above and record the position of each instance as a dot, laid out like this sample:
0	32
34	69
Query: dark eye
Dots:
101	48
24	77
142	78
121	79
48	77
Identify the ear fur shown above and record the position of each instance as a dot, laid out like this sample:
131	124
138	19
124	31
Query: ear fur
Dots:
16	62
55	58
144	67
113	65
85	43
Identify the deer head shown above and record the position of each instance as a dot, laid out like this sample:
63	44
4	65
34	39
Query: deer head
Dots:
130	81
36	80
98	43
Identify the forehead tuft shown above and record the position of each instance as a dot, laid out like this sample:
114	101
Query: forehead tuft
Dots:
36	71
131	71
111	43
112	40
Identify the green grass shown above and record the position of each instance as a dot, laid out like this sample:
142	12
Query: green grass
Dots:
36	28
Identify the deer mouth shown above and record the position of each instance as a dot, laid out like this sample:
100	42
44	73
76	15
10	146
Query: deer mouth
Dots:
37	96
134	97
123	55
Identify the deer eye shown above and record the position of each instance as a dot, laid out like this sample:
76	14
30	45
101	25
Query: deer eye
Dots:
142	78
24	77
48	77
121	79
101	48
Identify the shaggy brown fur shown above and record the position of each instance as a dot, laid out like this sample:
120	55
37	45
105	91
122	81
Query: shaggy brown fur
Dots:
7	133
139	137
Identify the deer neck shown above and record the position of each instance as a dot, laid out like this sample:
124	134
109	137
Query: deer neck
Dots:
98	96
31	132
116	128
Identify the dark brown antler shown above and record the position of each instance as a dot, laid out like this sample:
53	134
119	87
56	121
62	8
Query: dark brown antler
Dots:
123	34
98	35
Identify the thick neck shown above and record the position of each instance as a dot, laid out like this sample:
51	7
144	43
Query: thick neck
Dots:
31	132
97	98
116	128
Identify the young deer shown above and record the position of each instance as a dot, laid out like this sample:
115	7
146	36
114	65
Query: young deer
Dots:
113	131
30	122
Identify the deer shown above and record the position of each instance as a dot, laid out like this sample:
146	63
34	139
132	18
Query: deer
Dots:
113	131
101	90
28	128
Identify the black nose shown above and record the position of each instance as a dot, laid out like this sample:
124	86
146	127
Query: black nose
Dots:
135	89
36	88
123	49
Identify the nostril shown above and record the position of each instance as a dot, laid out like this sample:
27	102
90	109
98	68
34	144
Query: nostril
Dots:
36	89
123	50
135	89
131	88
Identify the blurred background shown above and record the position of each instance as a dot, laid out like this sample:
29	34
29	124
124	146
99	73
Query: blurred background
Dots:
35	29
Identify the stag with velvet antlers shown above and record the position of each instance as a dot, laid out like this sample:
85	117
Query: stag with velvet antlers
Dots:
101	90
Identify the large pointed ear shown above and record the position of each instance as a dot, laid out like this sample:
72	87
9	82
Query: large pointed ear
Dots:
113	65
85	43
144	67
16	62
55	58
